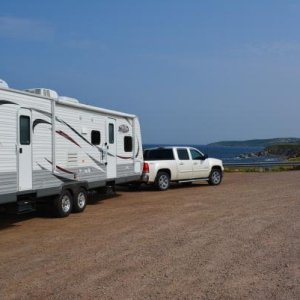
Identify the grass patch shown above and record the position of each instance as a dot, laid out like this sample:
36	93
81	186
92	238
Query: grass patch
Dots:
295	159
260	169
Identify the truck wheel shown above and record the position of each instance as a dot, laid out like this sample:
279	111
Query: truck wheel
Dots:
162	181
80	201
215	177
63	204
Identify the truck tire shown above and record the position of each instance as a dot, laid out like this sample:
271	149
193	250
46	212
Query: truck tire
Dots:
63	204
80	201
215	177
162	181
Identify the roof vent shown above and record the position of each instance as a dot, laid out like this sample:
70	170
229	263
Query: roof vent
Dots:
68	99
43	92
3	84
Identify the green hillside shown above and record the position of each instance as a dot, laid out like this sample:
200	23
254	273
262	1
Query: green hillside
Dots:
258	142
287	150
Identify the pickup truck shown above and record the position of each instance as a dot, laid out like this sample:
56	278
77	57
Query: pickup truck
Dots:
179	164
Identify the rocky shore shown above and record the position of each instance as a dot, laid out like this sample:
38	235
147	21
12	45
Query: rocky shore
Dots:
284	151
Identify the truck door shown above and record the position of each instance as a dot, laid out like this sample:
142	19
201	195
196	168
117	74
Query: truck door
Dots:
111	149
24	150
200	165
185	164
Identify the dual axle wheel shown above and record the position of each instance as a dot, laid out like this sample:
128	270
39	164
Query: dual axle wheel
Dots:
66	203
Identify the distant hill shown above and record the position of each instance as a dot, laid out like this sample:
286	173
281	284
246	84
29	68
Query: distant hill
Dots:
258	143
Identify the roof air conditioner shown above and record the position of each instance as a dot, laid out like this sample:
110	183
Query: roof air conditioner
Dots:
3	84
68	99
43	92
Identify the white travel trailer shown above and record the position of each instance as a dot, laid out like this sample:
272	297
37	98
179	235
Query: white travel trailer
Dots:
56	146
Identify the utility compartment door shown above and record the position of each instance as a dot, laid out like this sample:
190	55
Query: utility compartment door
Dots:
24	150
111	149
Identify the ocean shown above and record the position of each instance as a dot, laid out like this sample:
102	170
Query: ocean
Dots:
228	154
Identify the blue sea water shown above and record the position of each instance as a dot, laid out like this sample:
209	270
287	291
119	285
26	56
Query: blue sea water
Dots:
227	154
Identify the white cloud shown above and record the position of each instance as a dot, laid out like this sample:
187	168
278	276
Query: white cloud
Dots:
273	48
84	44
25	29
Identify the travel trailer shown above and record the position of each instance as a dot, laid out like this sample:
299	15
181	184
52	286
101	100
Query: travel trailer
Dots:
55	146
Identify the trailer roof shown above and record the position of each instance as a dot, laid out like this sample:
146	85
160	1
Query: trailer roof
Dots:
76	105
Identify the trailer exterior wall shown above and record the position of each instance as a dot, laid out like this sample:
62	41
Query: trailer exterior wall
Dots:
75	158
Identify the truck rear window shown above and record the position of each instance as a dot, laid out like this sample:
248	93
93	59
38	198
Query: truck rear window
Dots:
159	154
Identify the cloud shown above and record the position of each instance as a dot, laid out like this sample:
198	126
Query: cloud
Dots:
273	48
25	29
84	44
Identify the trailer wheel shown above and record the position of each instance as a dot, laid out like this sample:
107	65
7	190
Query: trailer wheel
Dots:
63	204
80	201
162	181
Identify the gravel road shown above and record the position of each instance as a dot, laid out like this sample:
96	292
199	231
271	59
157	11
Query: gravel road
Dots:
239	240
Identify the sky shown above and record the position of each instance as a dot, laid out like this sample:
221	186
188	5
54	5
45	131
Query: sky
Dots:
193	71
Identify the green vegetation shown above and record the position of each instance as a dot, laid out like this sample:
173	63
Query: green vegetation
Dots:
295	159
286	150
258	142
289	151
261	169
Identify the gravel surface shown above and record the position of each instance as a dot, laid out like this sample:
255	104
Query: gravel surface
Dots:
239	240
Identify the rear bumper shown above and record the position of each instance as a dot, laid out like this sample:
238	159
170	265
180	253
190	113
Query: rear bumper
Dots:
145	177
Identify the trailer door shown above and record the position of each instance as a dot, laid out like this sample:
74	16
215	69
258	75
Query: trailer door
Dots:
111	149
24	150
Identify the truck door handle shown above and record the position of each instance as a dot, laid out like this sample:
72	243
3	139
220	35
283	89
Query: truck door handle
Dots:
181	163
195	163
20	150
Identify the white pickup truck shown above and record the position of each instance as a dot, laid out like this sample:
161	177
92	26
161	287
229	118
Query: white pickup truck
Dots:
179	164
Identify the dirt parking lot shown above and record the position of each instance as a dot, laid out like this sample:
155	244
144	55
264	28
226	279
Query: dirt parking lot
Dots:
237	240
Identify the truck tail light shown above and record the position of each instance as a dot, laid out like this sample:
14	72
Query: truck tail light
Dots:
146	168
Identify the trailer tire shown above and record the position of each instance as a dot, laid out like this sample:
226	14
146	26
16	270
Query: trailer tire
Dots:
162	181
63	204
80	201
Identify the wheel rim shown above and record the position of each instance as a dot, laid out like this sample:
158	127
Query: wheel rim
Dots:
163	182
66	203
81	199
216	177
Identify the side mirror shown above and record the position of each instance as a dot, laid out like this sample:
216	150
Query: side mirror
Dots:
205	156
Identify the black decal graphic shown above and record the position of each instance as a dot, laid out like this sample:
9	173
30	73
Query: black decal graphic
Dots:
97	162
7	102
47	114
124	157
43	168
75	131
64	179
61	178
66	136
60	168
127	157
39	121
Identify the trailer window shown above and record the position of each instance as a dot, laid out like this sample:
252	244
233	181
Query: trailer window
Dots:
111	131
127	143
95	137
24	130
